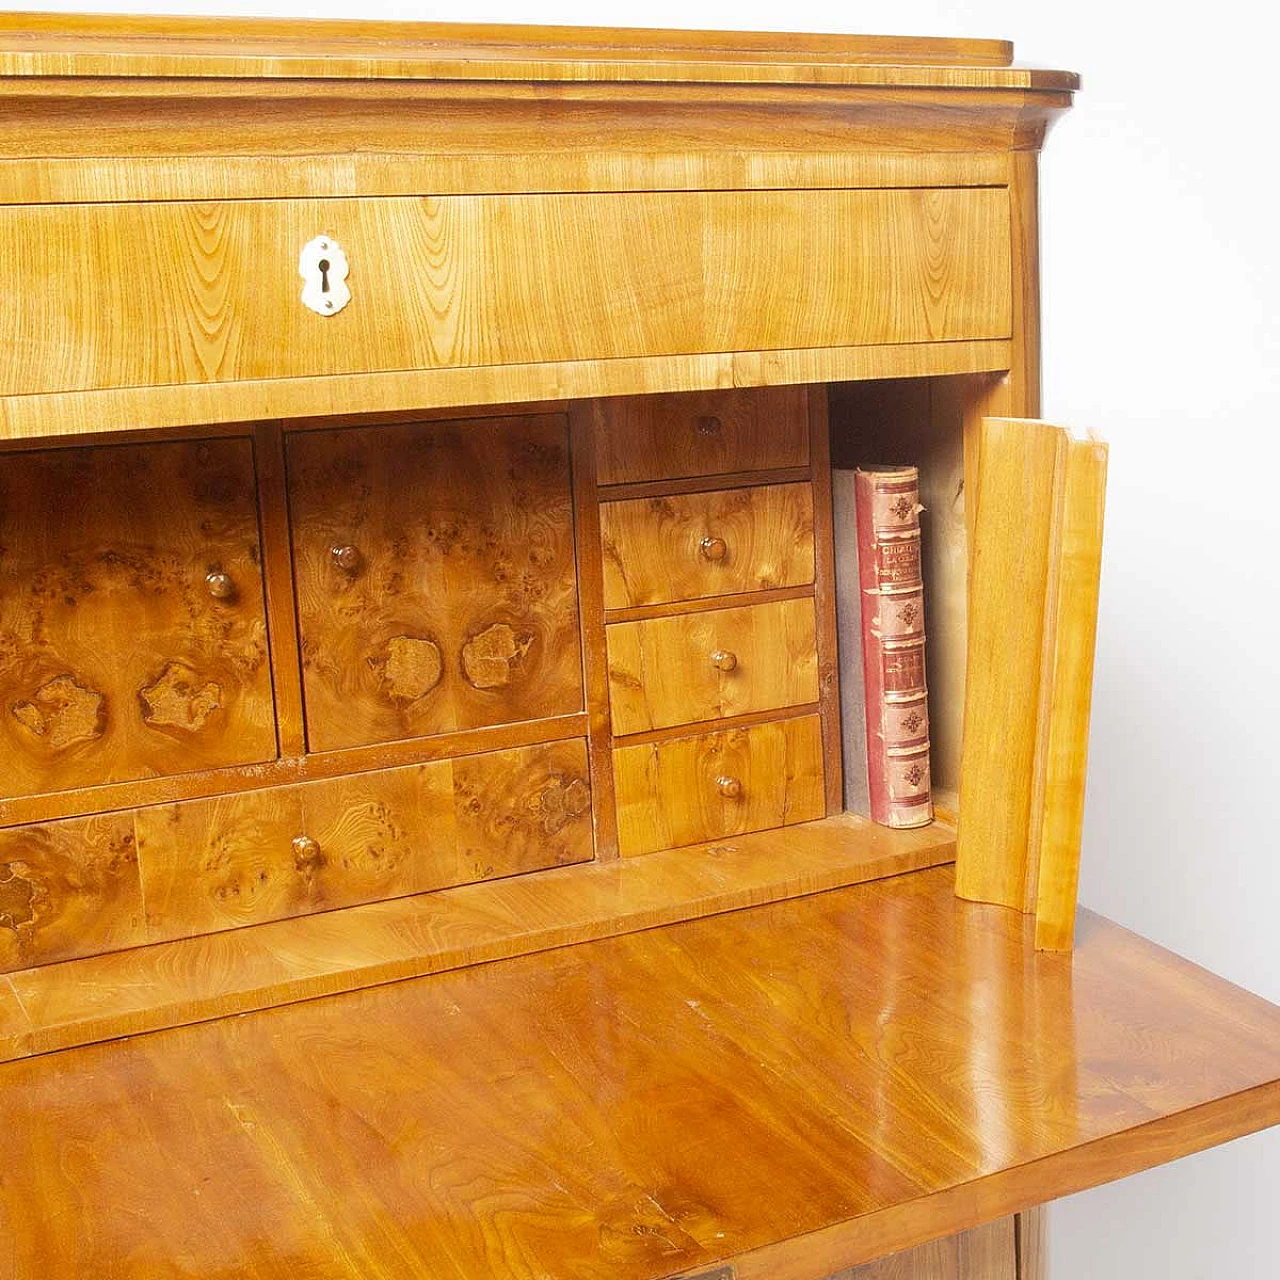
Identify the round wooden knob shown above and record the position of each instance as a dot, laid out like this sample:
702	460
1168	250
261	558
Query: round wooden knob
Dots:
221	586
730	788
346	558
724	660
713	549
709	426
306	851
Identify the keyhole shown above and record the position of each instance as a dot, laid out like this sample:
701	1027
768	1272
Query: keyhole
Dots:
323	264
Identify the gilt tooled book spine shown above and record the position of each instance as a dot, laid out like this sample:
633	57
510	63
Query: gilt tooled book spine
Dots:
892	597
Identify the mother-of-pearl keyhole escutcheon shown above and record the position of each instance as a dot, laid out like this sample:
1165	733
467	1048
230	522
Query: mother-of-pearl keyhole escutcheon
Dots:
324	269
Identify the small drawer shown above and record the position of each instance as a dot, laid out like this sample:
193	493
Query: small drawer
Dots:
710	664
435	570
687	790
133	635
68	889
288	851
693	545
711	433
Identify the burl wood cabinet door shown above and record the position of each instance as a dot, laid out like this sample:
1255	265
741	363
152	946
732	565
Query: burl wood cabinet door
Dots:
133	639
435	576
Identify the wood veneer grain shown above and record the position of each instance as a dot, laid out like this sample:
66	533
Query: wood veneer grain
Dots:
214	291
277	578
133	639
583	424
267	965
717	543
124	46
712	663
1058	825
701	434
286	851
824	589
1019	504
62	414
69	889
459	607
982	1253
707	786
310	768
745	1102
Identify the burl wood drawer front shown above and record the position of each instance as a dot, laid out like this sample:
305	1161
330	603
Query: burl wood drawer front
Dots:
715	663
435	576
702	433
68	889
126	295
133	639
706	544
266	855
687	790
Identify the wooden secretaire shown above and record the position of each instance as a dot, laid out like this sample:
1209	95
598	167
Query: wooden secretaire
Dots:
421	631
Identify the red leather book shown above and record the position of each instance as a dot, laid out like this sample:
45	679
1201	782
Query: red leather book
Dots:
887	502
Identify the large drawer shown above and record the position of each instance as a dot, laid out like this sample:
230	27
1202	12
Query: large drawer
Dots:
689	546
712	663
127	294
687	790
89	885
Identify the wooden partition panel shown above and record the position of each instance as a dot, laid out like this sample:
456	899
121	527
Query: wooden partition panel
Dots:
1034	564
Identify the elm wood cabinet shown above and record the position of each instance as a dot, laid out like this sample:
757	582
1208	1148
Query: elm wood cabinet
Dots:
427	563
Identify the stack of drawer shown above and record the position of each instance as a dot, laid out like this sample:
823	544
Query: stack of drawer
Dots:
707	525
233	692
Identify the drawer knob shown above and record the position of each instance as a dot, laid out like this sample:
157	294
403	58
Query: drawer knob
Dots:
306	853
346	558
713	549
730	788
221	586
709	426
724	660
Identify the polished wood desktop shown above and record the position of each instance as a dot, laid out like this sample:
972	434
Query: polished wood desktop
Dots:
424	841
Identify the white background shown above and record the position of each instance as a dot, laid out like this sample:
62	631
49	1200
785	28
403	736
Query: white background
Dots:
1161	273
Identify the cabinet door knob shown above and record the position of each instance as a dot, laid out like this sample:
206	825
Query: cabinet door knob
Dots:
347	558
724	660
730	788
713	549
221	586
306	852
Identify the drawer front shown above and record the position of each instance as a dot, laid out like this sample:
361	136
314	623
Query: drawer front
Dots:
133	638
710	664
68	889
702	434
435	576
693	545
127	295
688	790
238	860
